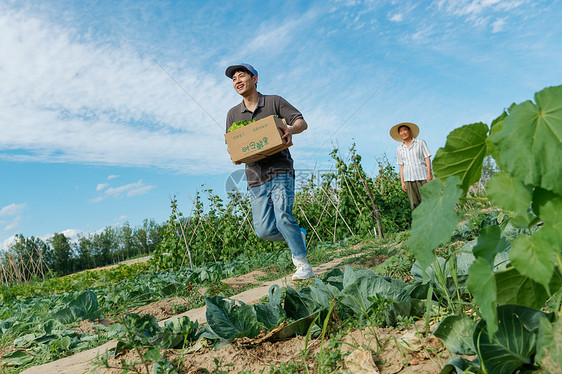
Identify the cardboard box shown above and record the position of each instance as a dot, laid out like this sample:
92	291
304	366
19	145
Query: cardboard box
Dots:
256	140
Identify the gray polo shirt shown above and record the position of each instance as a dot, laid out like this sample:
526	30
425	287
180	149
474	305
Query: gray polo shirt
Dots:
262	171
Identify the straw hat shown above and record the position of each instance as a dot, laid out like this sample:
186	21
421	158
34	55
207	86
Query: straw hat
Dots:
396	136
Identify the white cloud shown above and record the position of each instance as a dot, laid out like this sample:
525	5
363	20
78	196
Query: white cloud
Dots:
12	209
498	25
101	186
71	234
473	8
13	214
7	242
398	17
12	224
110	177
128	190
68	98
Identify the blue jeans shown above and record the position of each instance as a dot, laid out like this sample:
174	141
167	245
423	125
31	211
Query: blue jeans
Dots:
272	209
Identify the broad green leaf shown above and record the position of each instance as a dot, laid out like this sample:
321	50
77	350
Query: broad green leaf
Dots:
359	296
27	339
456	332
272	314
460	365
86	304
549	346
534	257
530	143
163	366
513	345
510	194
441	274
516	288
548	206
298	305
435	219
323	294
63	343
171	289
495	127
66	315
489	243
462	155
17	358
153	353
482	285
178	331
231	321
299	327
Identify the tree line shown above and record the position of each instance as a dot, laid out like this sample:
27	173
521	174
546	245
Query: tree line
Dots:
27	257
338	204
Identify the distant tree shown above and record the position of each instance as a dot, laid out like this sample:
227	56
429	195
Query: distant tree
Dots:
127	242
105	245
147	237
62	250
86	259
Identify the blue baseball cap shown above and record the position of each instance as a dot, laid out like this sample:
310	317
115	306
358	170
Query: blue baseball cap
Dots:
232	69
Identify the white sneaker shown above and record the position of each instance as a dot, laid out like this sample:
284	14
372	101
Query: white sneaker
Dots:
304	270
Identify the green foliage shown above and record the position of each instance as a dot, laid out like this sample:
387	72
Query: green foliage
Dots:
526	144
340	204
463	155
456	331
529	142
521	290
481	283
344	203
84	306
549	345
511	195
438	202
240	124
229	321
514	345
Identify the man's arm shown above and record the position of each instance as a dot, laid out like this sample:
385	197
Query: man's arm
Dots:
234	162
229	121
296	128
429	173
401	170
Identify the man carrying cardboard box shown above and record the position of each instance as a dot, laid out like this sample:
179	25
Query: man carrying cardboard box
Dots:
271	181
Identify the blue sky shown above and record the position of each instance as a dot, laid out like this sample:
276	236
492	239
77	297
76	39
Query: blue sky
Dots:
110	107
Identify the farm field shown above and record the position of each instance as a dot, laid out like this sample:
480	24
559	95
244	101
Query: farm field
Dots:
423	353
474	286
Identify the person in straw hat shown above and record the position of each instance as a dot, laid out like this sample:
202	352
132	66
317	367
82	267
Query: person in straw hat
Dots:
413	158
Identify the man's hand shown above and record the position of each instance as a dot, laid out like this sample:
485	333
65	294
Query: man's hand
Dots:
404	186
234	162
287	135
296	128
428	166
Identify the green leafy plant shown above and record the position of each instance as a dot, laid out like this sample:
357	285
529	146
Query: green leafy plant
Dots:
525	143
240	124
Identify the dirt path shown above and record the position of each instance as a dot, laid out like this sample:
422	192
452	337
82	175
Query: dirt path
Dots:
80	362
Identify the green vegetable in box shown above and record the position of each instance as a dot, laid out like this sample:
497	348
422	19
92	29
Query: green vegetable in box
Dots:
239	124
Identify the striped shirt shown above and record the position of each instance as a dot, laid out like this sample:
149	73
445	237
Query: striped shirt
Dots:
413	159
